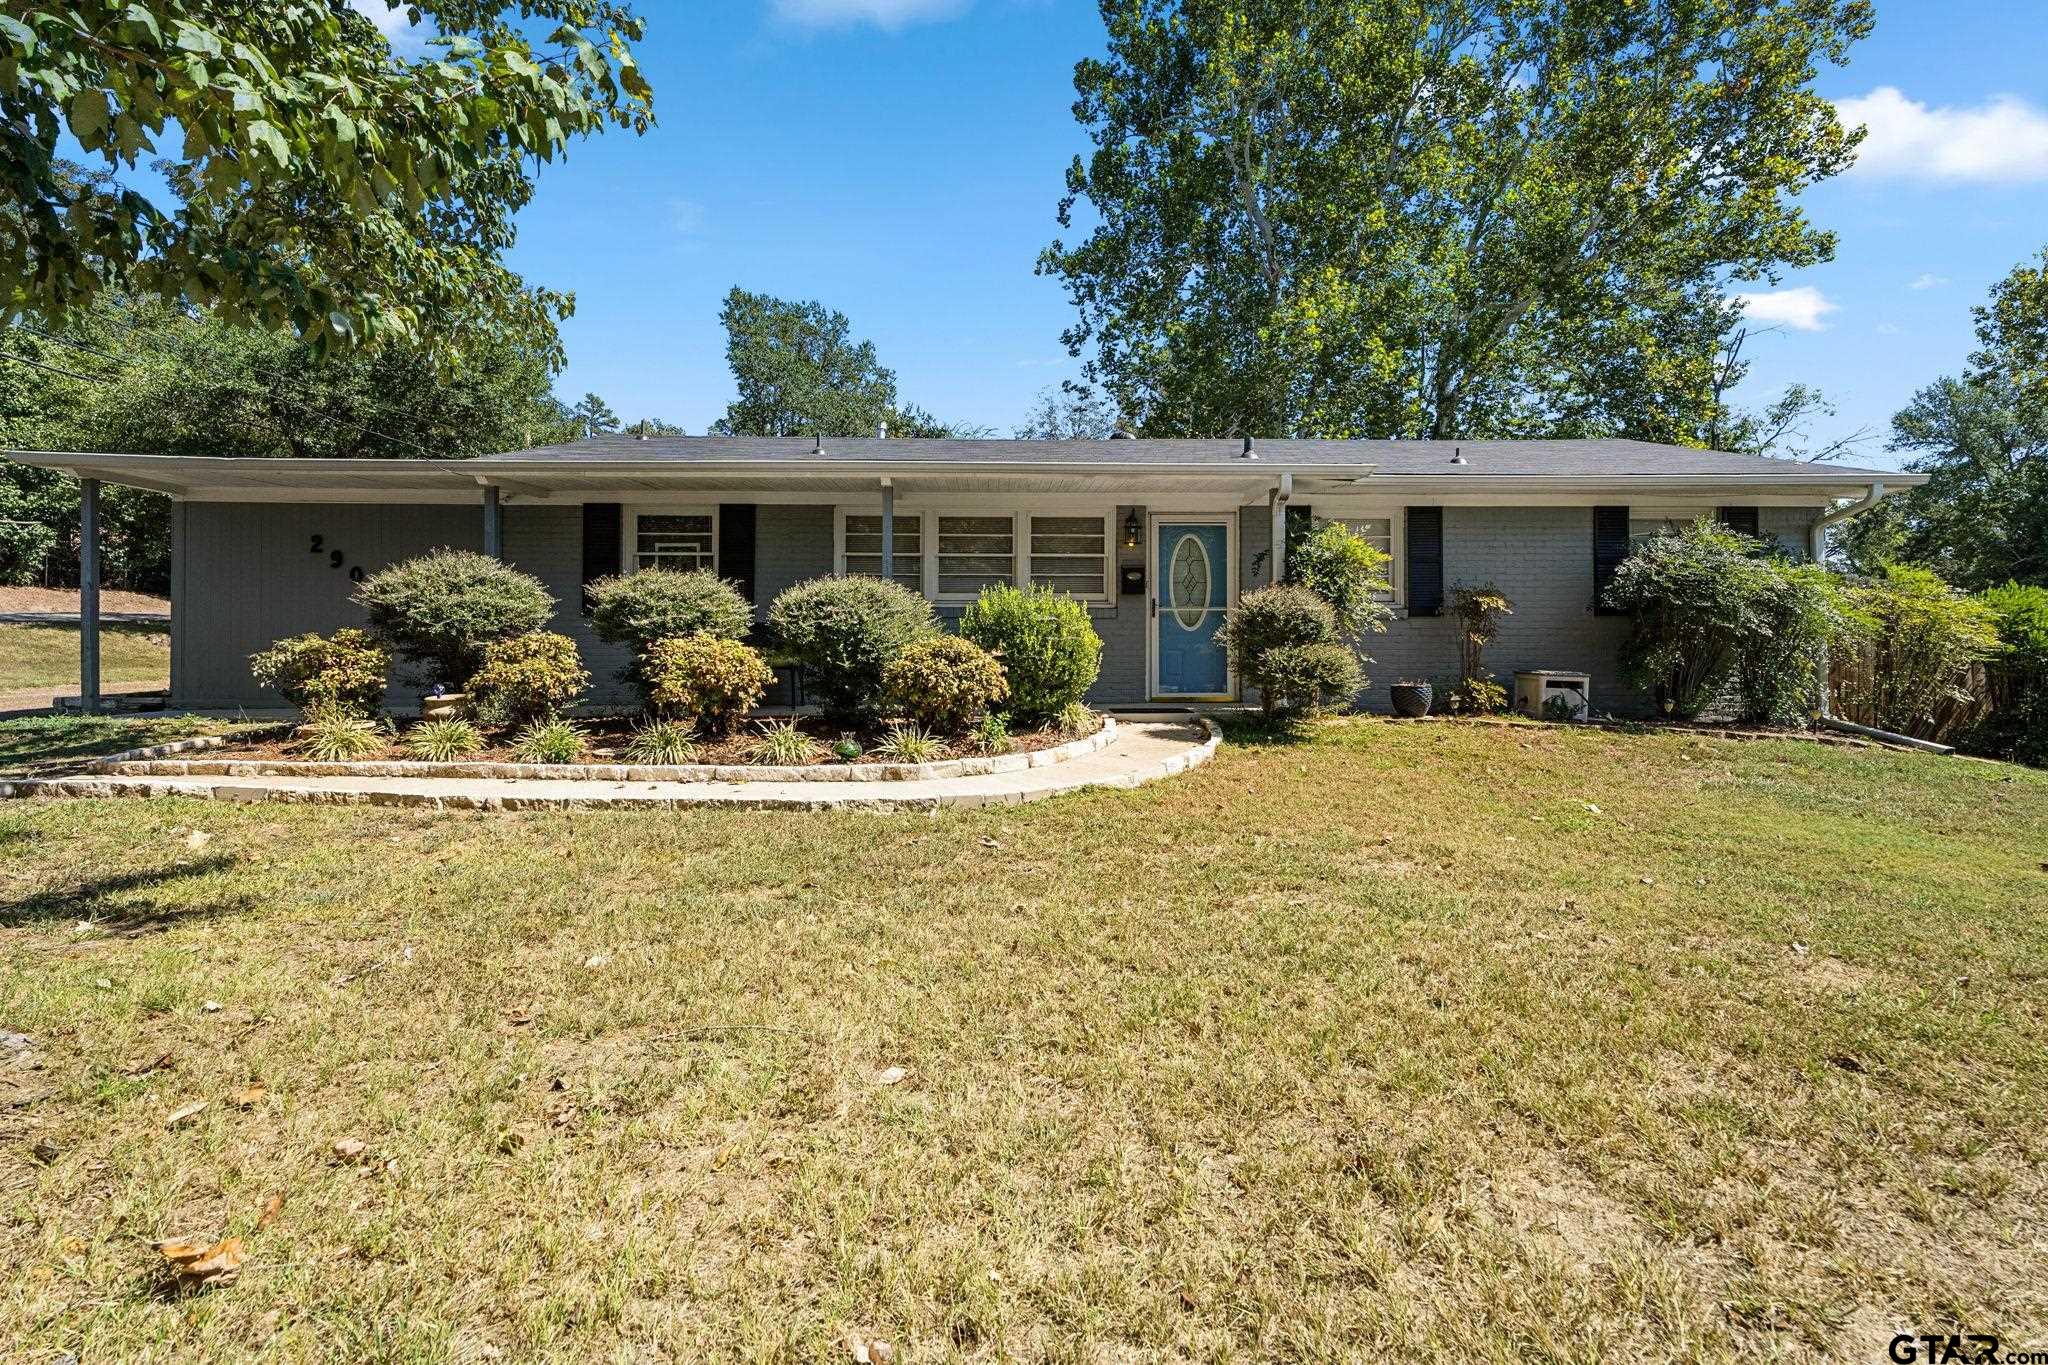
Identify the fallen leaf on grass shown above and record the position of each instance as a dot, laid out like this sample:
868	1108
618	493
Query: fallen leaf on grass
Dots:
518	1018
349	1149
251	1095
183	1113
197	840
1800	949
271	1209
890	1075
163	1061
198	1265
596	960
987	842
211	1007
1848	1063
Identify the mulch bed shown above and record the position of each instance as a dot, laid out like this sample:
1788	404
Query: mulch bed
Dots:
609	736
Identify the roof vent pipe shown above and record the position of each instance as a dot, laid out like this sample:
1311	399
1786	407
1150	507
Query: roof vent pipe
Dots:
817	443
1123	434
881	431
1249	453
1458	455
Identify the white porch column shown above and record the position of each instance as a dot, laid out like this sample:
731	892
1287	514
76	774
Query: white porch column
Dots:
889	530
1277	501
88	596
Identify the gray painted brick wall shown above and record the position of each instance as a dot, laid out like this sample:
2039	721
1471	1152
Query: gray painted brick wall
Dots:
245	575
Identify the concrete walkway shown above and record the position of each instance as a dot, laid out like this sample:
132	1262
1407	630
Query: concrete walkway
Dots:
1143	751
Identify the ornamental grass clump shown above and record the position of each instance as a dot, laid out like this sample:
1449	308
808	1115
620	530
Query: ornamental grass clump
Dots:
549	741
331	735
910	743
1045	642
343	672
663	742
844	632
442	610
529	677
944	683
708	681
443	741
782	745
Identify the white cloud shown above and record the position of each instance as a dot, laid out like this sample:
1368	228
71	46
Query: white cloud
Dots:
889	14
390	22
1801	308
1890	329
1928	282
2003	139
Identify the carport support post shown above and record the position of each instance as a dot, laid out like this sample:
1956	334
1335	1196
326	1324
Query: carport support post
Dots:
1277	499
888	531
88	596
494	537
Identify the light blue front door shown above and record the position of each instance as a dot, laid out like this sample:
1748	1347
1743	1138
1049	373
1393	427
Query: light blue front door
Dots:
1193	592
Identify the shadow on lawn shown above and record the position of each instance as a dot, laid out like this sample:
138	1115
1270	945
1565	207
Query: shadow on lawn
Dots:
86	899
1249	729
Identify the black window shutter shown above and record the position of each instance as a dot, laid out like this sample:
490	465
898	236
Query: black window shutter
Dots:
1610	547
1425	561
736	545
601	540
1741	519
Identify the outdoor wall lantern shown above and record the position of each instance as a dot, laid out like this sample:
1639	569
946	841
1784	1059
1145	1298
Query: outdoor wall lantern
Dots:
1132	530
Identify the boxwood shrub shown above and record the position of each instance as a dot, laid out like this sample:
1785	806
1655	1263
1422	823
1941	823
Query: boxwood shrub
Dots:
1048	647
843	632
441	609
1285	641
663	604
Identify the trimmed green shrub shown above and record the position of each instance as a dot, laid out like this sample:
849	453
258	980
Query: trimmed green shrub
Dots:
549	741
529	677
443	741
1480	696
1692	597
662	604
844	632
944	683
344	672
701	678
440	610
1799	611
1045	642
1279	640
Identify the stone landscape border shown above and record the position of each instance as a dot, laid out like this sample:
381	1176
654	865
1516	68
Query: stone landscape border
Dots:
1009	787
158	761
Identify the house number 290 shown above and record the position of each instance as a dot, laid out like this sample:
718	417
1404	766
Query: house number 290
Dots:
335	559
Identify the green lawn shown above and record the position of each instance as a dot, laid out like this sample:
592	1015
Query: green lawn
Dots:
47	656
1388	1046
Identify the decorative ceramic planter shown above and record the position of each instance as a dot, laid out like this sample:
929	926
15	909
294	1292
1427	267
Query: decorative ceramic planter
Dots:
1412	699
447	706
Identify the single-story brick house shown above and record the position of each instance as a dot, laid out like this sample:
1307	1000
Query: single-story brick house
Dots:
1157	536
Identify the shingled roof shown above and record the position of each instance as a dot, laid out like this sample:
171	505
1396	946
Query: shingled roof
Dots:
1437	459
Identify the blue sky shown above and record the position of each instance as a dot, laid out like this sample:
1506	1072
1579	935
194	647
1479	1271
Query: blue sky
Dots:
901	160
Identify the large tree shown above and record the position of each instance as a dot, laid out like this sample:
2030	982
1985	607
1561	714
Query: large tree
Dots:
800	372
315	181
1981	519
143	377
1439	217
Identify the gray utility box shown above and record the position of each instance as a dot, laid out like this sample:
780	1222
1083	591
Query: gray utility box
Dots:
1536	690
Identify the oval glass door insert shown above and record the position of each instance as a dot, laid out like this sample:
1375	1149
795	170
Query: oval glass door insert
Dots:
1190	577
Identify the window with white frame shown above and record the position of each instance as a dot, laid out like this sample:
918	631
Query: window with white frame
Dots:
1379	532
863	548
1070	554
973	552
683	541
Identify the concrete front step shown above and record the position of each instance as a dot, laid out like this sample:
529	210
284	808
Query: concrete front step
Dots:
1141	752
